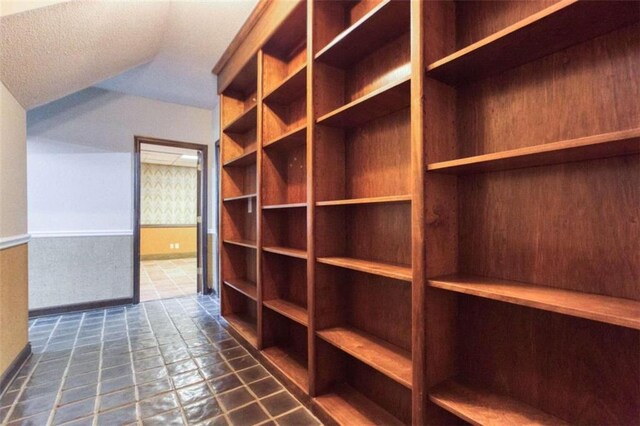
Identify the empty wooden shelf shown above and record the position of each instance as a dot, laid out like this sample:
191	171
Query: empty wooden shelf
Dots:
557	27
378	103
606	145
482	408
400	272
242	159
286	251
289	310
239	198
244	122
289	140
348	406
246	328
241	243
248	288
284	206
291	366
390	360
368	200
291	88
383	23
612	310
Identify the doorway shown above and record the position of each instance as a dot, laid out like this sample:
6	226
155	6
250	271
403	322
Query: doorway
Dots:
170	219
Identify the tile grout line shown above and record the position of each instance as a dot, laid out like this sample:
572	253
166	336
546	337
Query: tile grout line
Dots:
29	375
54	409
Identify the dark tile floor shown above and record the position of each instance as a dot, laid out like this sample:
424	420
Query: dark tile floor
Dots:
166	362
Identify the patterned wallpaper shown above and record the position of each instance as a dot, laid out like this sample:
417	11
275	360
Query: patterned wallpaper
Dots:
168	195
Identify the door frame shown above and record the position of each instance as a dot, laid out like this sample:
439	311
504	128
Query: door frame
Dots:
203	203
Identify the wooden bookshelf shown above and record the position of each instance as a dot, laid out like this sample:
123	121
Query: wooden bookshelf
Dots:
479	407
248	288
400	272
239	198
525	262
289	140
348	406
292	87
381	24
241	243
606	145
611	310
390	360
367	200
555	28
289	310
246	328
286	251
243	159
284	206
424	192
378	103
244	122
290	366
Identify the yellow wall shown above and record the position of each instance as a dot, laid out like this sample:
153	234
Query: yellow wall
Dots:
14	292
14	307
155	241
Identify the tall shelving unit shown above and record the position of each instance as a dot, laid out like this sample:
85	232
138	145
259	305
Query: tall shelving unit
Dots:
430	209
532	137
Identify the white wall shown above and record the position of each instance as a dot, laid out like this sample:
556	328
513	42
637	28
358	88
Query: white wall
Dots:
80	157
80	190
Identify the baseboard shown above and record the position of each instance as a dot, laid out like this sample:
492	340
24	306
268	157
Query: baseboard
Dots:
168	256
7	377
77	307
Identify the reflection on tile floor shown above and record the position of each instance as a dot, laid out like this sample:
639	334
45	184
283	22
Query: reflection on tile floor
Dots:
167	362
164	279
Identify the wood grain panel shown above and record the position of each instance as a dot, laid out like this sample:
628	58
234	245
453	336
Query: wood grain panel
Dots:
284	176
588	89
574	226
14	309
544	361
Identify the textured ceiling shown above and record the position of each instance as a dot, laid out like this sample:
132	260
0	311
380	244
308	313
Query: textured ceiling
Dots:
197	35
156	49
53	51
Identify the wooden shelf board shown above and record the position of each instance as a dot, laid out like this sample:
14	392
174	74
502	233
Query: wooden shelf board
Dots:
286	251
369	200
289	310
289	140
611	310
243	327
482	408
555	28
290	88
245	121
392	361
244	159
242	243
385	22
347	406
248	288
591	147
290	365
383	101
399	272
284	206
239	197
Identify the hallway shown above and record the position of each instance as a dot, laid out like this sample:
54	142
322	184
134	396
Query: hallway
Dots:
160	362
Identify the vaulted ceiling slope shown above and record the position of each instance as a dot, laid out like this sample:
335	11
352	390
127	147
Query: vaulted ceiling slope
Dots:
162	50
53	51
